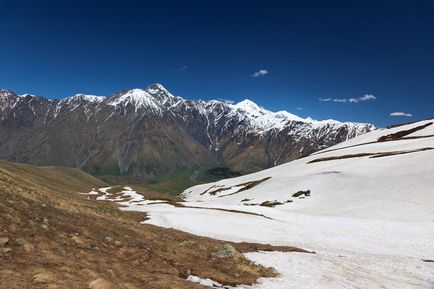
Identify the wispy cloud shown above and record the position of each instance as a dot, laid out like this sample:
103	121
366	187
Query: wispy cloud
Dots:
183	68
260	72
299	108
227	101
400	113
366	97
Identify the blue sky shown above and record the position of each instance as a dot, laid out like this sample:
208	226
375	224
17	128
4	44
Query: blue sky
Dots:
315	56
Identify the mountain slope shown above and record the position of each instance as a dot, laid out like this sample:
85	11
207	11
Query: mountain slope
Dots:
365	206
53	236
147	132
362	177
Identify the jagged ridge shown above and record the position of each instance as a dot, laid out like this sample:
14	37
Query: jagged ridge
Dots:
147	131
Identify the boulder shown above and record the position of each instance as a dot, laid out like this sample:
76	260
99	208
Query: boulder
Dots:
4	242
101	283
226	251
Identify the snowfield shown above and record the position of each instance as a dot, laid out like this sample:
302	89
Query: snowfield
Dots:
366	207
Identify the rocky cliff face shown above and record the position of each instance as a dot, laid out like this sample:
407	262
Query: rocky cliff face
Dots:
144	132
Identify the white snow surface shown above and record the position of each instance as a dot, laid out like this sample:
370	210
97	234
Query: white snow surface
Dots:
370	220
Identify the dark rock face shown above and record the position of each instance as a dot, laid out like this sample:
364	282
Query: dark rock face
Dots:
143	132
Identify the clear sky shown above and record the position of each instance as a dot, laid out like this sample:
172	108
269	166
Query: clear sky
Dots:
347	60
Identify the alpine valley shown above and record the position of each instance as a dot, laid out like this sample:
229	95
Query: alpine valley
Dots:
146	133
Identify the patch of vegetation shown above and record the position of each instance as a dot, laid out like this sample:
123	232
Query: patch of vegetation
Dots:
104	171
301	193
394	153
222	173
177	181
270	204
402	133
249	185
359	155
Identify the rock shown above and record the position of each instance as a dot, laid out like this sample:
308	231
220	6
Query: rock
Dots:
44	277
226	251
101	283
28	247
146	255
5	250
4	242
185	243
117	243
108	239
61	251
21	242
45	227
77	240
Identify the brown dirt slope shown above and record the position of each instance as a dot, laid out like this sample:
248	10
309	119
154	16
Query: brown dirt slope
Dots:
56	238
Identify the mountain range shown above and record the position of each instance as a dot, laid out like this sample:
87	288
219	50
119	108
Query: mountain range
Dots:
147	132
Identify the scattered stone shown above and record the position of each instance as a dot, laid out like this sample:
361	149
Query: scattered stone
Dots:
117	243
45	227
112	273
108	239
61	251
185	243
146	255
21	242
4	242
28	247
77	240
44	277
101	283
5	250
226	251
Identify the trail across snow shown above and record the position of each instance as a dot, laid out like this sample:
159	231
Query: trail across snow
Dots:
369	220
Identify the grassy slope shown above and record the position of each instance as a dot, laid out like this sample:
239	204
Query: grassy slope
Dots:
66	232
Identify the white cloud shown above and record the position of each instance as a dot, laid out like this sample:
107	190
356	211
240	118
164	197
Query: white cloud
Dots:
340	100
261	72
299	108
227	101
183	68
401	114
366	97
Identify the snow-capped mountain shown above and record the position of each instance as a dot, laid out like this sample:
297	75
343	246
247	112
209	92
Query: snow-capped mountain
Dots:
146	131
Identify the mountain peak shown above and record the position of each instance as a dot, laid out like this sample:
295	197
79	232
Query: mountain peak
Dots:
6	92
157	86
248	105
